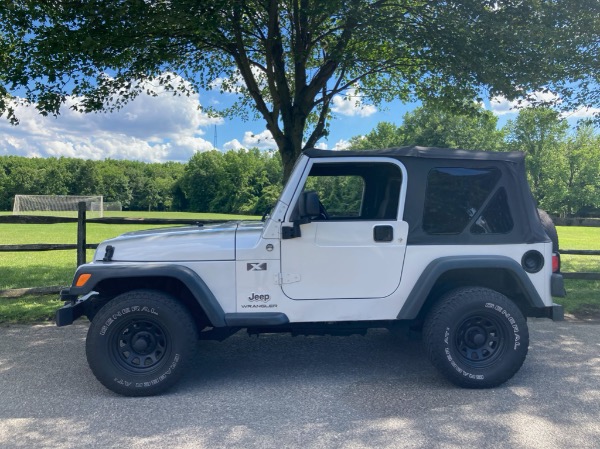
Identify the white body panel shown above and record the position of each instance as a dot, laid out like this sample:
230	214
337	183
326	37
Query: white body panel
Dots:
340	259
252	285
214	242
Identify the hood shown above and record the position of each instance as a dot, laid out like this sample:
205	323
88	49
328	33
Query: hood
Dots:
189	243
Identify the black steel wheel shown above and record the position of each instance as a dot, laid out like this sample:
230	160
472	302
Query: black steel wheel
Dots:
476	337
139	343
480	340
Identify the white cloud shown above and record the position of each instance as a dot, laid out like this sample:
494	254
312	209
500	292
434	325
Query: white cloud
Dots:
501	106
233	145
341	145
236	84
262	141
152	129
351	104
582	113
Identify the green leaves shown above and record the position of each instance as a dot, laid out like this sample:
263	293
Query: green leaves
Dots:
431	126
286	59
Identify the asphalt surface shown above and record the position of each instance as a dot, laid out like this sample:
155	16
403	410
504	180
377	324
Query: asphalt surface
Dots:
305	392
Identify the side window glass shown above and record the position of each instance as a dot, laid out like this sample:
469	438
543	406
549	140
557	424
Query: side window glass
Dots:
340	195
356	191
496	217
454	196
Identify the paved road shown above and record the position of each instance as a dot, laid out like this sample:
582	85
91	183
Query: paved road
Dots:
304	392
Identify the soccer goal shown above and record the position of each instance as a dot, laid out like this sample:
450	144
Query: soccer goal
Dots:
57	205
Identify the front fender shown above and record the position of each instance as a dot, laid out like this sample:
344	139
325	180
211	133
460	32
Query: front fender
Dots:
101	272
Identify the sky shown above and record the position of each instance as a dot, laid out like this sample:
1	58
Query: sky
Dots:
172	128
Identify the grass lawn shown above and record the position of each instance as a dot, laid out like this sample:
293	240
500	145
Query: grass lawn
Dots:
583	297
41	269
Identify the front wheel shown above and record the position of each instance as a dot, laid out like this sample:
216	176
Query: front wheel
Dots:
139	343
476	337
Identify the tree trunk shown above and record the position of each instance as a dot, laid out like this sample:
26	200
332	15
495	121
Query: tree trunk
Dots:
289	154
290	144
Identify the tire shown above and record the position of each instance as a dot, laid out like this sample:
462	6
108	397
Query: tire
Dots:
476	337
550	229
139	343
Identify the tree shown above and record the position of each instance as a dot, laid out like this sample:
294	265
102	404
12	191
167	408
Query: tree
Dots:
539	133
428	125
244	181
385	135
287	59
201	180
572	179
115	181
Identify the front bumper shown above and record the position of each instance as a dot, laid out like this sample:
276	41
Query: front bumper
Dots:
72	310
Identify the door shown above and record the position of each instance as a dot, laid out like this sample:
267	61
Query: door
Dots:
355	247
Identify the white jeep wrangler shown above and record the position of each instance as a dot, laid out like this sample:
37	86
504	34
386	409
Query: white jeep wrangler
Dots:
446	242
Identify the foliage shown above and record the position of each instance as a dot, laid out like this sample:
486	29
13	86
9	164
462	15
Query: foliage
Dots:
245	182
135	184
471	129
538	132
385	135
574	183
287	59
233	182
563	168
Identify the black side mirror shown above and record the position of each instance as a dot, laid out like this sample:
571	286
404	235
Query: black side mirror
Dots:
309	204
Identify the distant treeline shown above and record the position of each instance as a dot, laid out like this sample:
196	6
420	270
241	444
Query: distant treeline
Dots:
245	182
563	167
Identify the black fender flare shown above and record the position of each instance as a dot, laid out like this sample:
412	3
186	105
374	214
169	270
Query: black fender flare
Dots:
102	272
417	297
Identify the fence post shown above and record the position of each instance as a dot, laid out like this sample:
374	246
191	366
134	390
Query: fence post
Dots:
81	244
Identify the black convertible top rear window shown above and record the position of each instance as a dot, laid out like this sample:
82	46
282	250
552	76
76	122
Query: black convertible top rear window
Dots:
454	195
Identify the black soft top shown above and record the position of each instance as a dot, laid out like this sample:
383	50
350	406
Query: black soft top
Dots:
516	157
420	160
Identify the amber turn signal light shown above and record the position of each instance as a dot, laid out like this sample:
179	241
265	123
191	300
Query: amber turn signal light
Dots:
82	279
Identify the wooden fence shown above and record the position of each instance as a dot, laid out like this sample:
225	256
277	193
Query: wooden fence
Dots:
81	246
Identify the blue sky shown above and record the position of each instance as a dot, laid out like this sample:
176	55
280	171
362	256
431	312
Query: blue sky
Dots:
172	128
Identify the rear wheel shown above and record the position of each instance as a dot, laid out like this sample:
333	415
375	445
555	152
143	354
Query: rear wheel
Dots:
139	343
476	337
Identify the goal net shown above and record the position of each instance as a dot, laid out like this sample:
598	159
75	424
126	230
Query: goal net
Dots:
57	205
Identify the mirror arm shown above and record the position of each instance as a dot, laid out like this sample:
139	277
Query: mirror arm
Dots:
292	232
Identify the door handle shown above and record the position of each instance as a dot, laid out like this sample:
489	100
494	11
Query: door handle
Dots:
383	233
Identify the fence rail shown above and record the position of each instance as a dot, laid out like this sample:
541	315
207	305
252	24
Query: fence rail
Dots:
81	246
44	247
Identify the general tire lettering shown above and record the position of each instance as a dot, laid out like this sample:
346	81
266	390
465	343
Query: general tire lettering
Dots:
139	343
476	337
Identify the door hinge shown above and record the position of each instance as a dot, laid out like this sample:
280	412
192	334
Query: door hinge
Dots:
286	278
